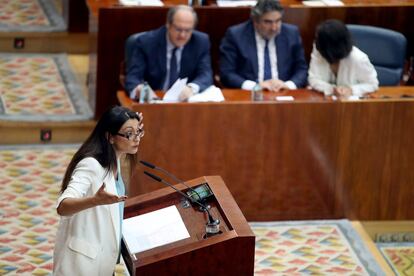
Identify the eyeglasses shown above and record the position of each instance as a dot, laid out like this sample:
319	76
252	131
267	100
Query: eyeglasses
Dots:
132	136
269	22
181	30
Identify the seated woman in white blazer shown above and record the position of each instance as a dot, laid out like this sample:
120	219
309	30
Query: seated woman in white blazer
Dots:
337	67
92	197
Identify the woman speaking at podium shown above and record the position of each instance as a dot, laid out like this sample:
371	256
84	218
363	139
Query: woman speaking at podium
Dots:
92	197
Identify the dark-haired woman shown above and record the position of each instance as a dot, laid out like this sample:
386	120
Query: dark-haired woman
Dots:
93	195
337	67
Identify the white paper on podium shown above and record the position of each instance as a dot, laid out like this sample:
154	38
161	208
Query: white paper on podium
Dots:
154	229
173	94
141	2
211	94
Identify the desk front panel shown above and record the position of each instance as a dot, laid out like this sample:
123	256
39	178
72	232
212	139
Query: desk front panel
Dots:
278	160
313	159
375	174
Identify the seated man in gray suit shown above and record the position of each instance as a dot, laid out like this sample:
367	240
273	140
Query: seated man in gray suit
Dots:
263	50
173	51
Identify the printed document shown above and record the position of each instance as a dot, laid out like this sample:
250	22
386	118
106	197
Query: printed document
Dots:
173	94
211	94
154	229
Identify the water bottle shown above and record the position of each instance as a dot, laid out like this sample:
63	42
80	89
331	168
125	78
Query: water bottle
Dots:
144	93
257	93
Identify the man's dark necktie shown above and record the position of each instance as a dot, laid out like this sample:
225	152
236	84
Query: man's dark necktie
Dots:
173	68
267	68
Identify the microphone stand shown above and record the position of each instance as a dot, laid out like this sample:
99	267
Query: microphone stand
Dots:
176	179
212	225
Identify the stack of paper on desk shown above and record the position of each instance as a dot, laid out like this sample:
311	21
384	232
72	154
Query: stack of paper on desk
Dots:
172	95
211	94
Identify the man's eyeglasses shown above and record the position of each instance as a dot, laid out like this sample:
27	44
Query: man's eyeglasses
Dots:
271	22
132	136
181	30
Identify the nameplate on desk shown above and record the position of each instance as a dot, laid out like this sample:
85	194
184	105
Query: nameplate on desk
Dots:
236	3
322	3
284	98
141	3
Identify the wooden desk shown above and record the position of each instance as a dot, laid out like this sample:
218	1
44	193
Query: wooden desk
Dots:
195	255
116	23
307	159
76	15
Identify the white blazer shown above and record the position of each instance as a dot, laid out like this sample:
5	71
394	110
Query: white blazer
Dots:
355	71
87	243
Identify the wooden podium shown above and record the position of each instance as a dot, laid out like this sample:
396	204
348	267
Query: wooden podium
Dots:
229	253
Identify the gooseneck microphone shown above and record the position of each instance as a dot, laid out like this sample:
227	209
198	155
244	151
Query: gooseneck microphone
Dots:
147	164
159	179
176	179
212	226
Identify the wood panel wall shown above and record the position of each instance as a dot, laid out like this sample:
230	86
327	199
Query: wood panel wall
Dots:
76	15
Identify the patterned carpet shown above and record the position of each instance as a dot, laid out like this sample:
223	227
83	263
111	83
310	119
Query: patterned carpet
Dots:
30	177
40	87
30	16
400	256
311	247
29	187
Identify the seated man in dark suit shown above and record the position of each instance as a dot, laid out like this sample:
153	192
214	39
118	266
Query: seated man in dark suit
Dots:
173	51
263	50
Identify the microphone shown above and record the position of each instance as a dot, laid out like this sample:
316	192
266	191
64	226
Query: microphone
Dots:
176	179
212	226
